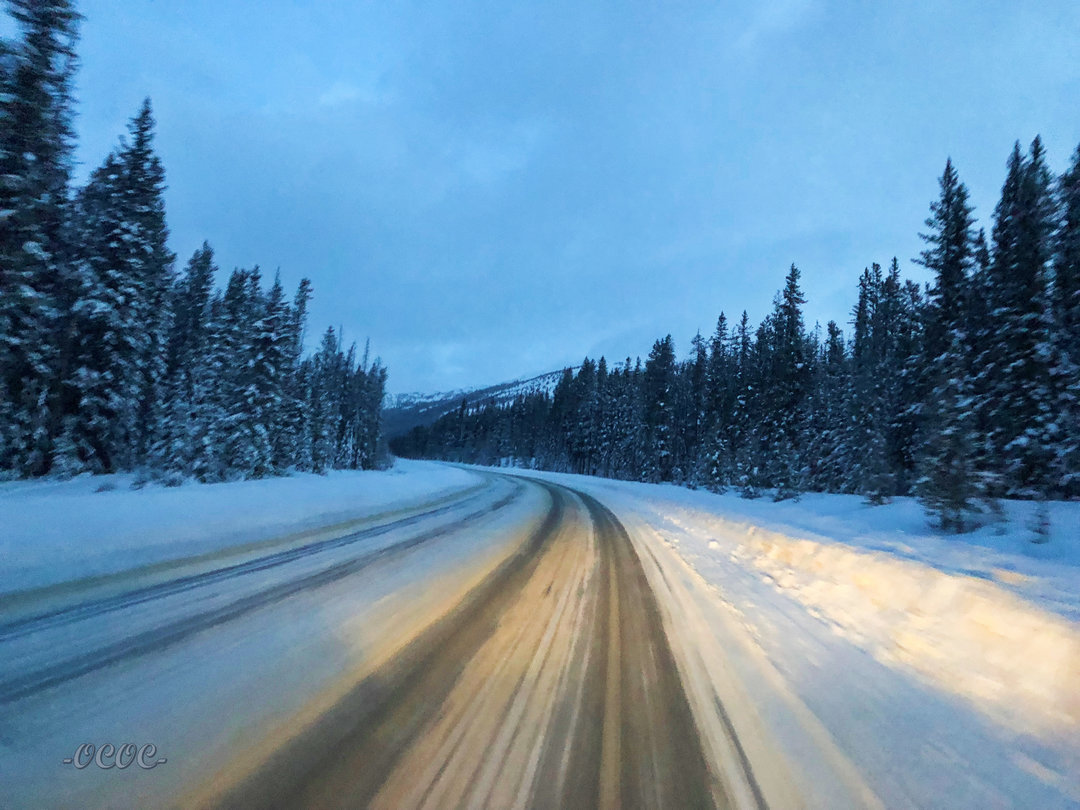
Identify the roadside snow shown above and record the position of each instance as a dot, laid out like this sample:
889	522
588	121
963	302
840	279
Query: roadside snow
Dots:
55	531
218	703
861	659
888	663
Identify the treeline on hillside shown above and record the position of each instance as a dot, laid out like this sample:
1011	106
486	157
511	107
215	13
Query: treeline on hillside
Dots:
111	360
962	392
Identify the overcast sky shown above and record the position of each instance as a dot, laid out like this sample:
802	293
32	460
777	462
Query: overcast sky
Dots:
492	190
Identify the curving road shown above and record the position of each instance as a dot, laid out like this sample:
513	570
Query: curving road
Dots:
545	680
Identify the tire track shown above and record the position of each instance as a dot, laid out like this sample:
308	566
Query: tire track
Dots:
355	746
137	596
166	635
551	685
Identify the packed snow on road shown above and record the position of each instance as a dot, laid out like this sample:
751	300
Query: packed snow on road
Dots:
833	654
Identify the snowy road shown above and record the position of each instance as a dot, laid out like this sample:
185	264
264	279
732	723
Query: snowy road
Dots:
438	636
498	647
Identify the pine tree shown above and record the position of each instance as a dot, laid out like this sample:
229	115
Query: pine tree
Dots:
36	145
875	386
322	416
120	315
947	479
721	393
659	411
187	370
269	369
1067	321
789	378
744	446
150	262
828	447
602	424
1021	368
694	413
581	421
867	464
109	334
897	327
294	448
107	362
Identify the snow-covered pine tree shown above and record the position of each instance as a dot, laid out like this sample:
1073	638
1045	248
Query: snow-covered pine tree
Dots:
120	311
1021	369
694	408
248	441
899	319
744	448
658	389
322	404
370	415
294	448
947	478
229	420
982	339
827	446
603	418
36	146
720	399
879	357
109	336
271	360
790	373
867	463
150	262
187	370
1067	321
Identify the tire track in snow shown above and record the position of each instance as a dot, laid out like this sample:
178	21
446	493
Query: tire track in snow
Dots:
165	635
551	685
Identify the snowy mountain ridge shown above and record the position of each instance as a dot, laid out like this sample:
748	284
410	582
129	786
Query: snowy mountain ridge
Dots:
403	412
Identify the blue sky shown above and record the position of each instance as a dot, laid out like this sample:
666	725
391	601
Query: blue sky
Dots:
491	190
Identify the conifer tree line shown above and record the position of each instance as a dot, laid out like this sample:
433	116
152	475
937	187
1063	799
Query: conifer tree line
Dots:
111	359
963	391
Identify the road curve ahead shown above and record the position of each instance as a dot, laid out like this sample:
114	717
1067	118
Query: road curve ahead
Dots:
551	685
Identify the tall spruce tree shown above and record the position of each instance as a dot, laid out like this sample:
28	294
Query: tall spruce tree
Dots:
1021	369
109	336
122	308
187	372
659	387
947	479
828	449
150	261
36	146
789	384
1066	301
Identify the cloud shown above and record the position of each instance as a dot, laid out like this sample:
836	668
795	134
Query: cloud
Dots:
490	156
771	18
341	93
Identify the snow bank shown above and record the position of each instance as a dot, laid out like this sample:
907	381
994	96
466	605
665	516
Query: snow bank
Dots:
55	531
966	635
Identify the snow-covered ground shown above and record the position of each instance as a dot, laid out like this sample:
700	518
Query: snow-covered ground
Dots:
887	662
860	658
236	689
56	531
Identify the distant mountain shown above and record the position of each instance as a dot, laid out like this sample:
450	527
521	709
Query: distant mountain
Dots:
403	412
